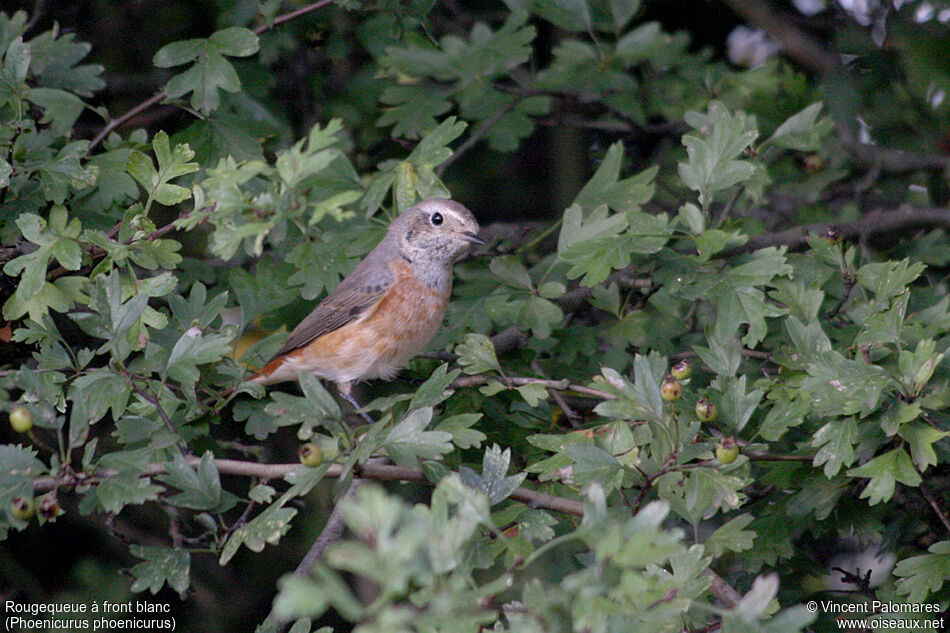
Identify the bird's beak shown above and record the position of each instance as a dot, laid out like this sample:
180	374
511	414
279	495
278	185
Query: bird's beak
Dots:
471	238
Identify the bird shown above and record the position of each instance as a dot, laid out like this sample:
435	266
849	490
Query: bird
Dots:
387	310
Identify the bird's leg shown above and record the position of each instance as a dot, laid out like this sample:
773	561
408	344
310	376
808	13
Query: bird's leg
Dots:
345	389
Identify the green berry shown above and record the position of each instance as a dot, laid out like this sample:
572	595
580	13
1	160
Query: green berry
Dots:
21	419
22	507
727	450
706	410
49	507
671	390
833	234
310	455
682	370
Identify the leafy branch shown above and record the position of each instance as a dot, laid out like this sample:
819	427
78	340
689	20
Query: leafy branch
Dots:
161	95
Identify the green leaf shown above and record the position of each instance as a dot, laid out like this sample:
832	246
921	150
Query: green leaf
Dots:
648	372
316	408
594	464
125	488
494	480
817	495
210	71
413	110
621	11
920	576
789	410
888	279
702	493
201	489
235	41
921	438
835	443
459	427
18	468
532	393
802	131
477	355
606	188
575	228
731	536
60	108
712	163
34	295
172	163
511	271
266	528
918	367
841	386
597	257
883	471
192	349
161	565
408	440
802	299
736	406
435	389
97	391
640	401
723	356
539	315
884	326
434	148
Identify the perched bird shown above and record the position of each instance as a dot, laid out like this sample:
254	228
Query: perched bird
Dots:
388	309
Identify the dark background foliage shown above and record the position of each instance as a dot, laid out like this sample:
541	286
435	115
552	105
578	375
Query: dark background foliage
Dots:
542	119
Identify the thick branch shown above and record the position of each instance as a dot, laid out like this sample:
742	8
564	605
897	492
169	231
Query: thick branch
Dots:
878	221
799	45
890	160
379	472
382	472
723	591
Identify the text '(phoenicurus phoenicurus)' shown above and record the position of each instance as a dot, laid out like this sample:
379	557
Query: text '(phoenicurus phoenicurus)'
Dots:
388	309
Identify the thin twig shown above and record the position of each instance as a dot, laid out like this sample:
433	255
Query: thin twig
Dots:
286	17
152	400
938	508
569	412
768	457
518	381
121	120
476	136
849	282
749	353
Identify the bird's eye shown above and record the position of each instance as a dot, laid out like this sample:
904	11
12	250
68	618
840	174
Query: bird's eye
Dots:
437	219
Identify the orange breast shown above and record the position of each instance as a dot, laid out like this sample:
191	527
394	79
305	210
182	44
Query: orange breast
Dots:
377	344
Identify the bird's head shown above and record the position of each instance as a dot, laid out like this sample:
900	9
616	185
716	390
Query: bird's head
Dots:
435	230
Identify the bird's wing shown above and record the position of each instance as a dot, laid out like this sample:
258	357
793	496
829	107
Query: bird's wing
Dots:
355	295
